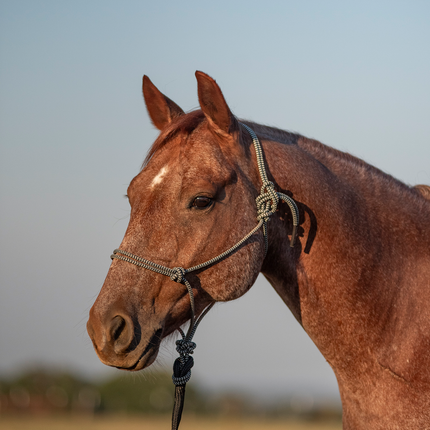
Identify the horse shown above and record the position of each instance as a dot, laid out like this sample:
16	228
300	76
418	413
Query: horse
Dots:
357	278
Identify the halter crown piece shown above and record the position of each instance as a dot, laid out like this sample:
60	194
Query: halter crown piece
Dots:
267	203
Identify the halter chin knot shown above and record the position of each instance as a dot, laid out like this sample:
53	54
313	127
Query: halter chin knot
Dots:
185	347
182	370
267	201
178	274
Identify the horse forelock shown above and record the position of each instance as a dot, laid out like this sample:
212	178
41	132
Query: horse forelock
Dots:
184	124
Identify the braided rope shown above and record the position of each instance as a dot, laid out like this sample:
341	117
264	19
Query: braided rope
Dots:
267	203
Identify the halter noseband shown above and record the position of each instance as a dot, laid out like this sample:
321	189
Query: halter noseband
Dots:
267	203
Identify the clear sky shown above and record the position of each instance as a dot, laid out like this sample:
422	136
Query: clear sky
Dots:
74	131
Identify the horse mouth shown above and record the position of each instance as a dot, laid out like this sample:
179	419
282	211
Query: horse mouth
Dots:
148	355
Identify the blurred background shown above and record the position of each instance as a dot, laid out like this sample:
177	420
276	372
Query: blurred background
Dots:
74	131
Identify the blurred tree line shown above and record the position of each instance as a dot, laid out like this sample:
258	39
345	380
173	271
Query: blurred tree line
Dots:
43	390
47	391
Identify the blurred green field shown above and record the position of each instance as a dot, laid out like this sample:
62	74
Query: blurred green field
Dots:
162	423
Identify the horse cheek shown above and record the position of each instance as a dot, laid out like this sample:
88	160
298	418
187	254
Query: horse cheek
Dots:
233	279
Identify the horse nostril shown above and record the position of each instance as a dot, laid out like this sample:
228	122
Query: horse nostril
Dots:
117	327
121	333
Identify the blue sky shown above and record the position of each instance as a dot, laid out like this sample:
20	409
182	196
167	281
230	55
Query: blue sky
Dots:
74	131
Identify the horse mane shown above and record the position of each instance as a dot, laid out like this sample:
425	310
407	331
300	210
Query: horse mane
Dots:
333	157
319	150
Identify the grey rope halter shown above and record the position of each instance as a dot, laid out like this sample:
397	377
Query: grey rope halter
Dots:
267	203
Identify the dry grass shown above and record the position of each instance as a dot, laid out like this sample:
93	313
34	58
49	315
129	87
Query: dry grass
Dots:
188	423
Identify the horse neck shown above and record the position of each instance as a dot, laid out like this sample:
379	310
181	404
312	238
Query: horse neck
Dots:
361	232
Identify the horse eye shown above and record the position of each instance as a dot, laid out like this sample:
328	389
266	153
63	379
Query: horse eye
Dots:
202	202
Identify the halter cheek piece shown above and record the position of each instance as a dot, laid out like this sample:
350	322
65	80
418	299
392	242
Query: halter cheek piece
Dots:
267	203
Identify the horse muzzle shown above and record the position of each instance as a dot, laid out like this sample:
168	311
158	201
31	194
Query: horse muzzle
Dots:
119	342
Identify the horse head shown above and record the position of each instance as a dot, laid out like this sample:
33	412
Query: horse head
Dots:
193	199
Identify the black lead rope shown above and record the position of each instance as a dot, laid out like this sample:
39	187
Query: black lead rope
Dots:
178	406
181	375
267	203
183	364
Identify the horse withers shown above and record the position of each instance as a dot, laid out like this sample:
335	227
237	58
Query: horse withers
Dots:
357	278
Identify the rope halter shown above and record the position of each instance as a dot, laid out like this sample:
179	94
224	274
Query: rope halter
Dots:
267	203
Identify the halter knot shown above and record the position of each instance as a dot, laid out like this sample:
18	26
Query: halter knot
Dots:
267	201
178	274
182	370
185	347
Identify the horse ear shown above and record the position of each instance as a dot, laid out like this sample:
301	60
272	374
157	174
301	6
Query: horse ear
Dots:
160	108
214	105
